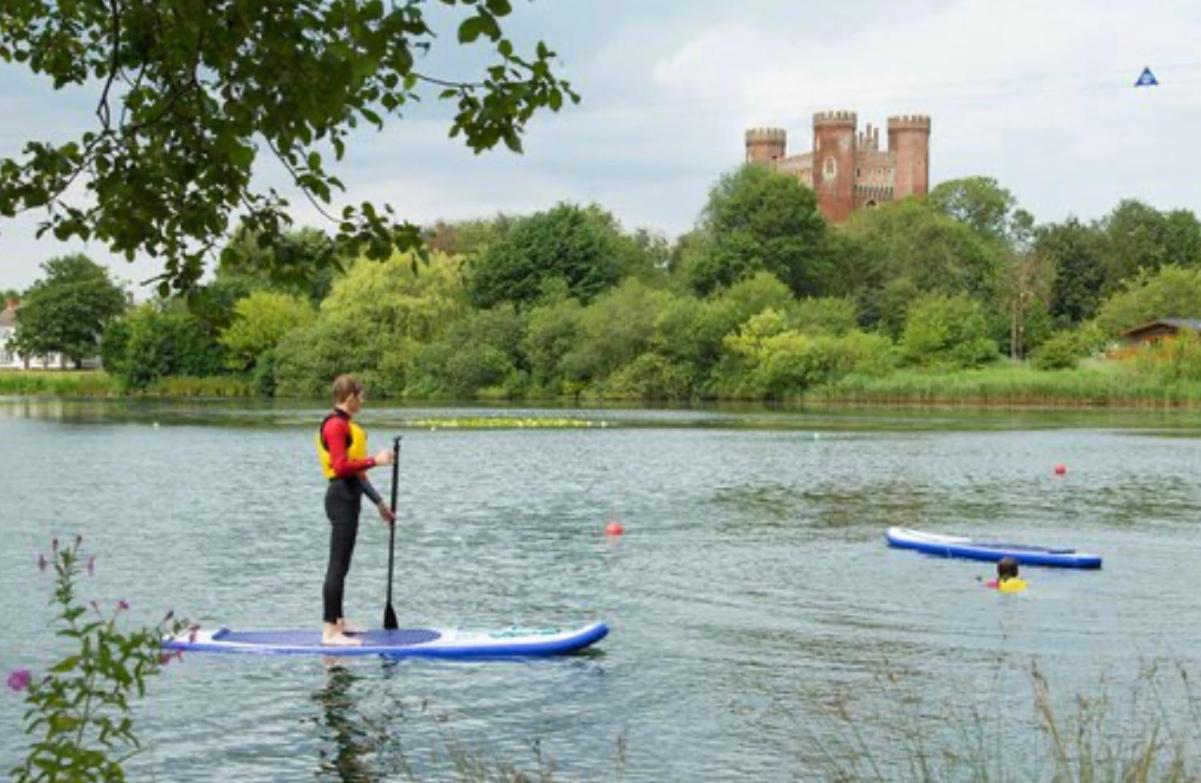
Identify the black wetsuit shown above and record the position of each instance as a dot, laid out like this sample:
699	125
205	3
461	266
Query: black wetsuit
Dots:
343	502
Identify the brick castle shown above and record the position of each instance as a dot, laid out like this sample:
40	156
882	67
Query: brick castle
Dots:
846	167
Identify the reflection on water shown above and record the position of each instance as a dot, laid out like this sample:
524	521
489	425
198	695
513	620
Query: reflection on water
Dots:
752	599
349	738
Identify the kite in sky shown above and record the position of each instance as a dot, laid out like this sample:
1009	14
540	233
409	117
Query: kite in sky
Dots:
1146	79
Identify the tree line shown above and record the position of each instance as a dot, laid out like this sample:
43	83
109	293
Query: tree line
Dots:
761	300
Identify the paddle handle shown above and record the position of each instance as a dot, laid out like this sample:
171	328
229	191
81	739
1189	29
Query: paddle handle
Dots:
392	527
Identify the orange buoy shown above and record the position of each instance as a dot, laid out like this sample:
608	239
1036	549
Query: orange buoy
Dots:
614	528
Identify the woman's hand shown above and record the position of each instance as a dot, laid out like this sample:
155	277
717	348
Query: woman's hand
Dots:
384	457
385	513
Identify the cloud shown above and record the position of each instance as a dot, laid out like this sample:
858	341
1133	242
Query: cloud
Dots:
1036	94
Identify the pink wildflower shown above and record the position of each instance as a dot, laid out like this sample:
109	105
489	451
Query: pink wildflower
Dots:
122	604
19	679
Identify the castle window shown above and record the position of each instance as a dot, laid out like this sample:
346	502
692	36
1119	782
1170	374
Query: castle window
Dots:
858	173
830	169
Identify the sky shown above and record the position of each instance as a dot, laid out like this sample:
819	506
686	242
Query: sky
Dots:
1037	95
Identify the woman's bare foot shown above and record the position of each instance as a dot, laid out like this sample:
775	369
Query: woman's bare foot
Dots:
332	636
347	628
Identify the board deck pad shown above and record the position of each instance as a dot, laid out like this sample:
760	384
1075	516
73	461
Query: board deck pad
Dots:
962	546
400	643
401	637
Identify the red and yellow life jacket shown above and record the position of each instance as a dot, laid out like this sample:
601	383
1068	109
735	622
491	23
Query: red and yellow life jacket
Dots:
356	445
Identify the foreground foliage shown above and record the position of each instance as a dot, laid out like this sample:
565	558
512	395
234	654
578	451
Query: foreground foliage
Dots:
188	95
79	712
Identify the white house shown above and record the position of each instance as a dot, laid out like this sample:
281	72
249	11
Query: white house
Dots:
10	359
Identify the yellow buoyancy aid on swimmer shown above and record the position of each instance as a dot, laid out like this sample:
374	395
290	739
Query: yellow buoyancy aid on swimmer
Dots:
1013	584
356	445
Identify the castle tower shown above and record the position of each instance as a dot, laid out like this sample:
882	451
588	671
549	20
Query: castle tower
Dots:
765	145
834	163
909	140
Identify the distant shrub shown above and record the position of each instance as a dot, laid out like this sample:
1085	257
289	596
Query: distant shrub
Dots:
1060	352
948	331
1172	359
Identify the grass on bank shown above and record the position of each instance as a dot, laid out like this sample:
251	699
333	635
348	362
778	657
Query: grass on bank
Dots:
1097	384
97	383
1100	385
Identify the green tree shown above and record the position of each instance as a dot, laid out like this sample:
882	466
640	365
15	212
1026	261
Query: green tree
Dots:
615	329
947	330
823	315
898	252
300	262
760	220
66	311
1075	252
1141	238
553	329
1171	292
467	237
190	93
260	321
982	204
479	352
689	332
768	359
374	323
159	340
579	246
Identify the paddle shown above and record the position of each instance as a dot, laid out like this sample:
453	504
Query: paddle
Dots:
390	623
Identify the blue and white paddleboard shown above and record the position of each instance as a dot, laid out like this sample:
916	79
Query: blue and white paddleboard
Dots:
401	643
960	546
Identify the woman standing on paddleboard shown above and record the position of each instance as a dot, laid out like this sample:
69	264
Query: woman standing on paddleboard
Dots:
342	449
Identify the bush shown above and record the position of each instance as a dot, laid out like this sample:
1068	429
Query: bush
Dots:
652	377
824	315
261	320
153	342
1172	359
1060	352
765	359
552	330
616	328
947	330
480	350
373	324
80	709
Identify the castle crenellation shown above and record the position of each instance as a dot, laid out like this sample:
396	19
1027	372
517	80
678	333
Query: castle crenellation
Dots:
846	166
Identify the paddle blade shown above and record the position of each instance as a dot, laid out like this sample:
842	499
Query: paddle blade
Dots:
390	623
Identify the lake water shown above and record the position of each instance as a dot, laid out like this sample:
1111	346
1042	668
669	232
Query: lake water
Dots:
761	628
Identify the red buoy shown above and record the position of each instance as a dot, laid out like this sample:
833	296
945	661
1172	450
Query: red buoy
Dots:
1061	469
614	528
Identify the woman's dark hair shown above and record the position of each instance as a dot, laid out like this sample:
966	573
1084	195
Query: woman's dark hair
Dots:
1007	568
345	387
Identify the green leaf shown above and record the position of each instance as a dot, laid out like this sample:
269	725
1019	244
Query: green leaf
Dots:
65	665
471	29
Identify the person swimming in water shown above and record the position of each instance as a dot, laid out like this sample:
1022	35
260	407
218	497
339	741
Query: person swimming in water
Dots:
1007	580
